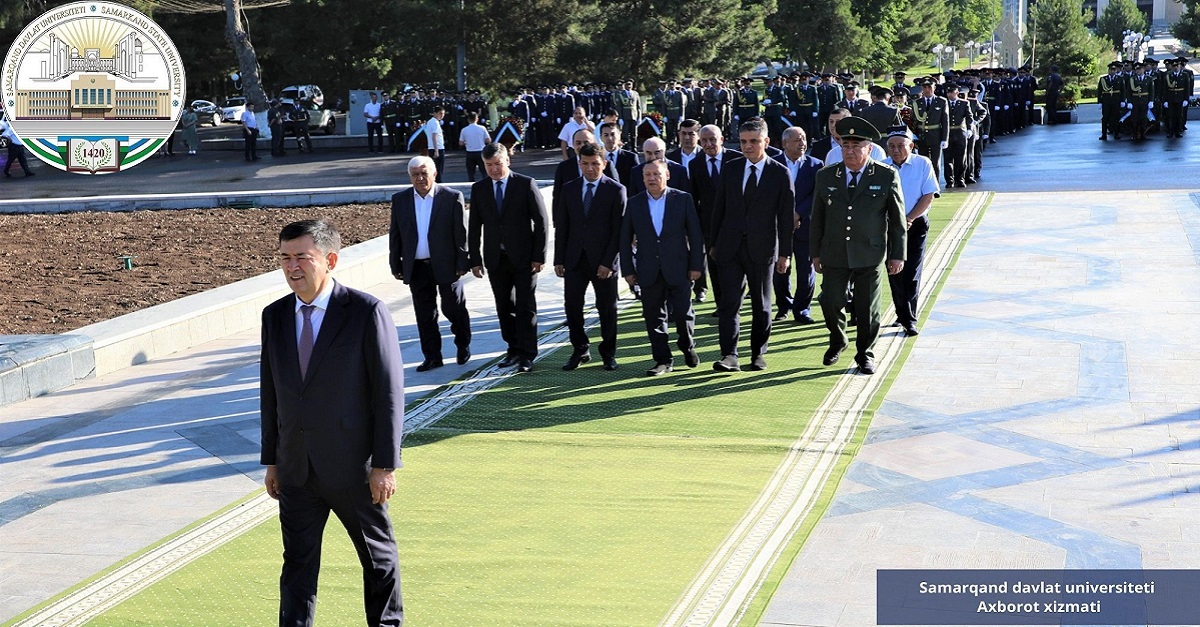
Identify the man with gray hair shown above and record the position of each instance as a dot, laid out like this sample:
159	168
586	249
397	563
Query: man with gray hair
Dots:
428	251
655	149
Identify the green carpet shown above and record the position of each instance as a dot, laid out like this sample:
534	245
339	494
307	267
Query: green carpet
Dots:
557	499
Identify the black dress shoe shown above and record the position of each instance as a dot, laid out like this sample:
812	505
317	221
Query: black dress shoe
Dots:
610	363
576	359
758	363
833	355
464	355
865	365
911	330
429	364
728	363
525	365
509	361
782	315
700	297
659	369
805	319
691	358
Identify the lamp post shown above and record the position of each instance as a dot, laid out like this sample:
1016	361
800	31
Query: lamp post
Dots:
937	56
1133	44
971	48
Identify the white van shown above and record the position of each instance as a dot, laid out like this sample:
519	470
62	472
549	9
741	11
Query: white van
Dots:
294	93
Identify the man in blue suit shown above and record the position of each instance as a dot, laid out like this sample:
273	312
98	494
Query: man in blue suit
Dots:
332	411
668	257
803	170
587	222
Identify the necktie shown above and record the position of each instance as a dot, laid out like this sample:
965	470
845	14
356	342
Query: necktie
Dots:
306	339
712	167
853	181
500	197
752	182
587	199
612	167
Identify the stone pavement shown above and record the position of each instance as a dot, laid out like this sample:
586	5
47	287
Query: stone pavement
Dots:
1047	416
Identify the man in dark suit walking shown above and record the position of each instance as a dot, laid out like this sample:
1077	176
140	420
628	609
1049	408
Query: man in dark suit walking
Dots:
508	218
587	222
803	170
332	412
668	258
703	174
752	222
655	149
428	251
620	161
857	223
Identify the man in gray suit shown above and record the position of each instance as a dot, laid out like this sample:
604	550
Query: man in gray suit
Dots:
428	251
332	411
668	257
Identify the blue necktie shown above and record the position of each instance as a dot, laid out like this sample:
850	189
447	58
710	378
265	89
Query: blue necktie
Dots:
500	197
588	196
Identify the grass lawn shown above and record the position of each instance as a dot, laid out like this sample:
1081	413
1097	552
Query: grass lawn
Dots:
584	498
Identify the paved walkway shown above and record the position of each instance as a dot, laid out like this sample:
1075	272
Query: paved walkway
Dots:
1043	419
1047	416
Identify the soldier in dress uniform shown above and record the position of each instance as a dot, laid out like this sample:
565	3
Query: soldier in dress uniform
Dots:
1182	61
774	99
724	103
803	107
982	120
629	104
675	104
1110	90
1177	89
850	100
931	114
900	85
695	98
1141	100
960	128
828	95
745	102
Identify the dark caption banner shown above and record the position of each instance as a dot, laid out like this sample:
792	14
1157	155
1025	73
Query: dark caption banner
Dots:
1038	597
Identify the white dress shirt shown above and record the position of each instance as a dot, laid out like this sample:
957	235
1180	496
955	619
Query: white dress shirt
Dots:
423	205
917	178
758	168
321	302
658	206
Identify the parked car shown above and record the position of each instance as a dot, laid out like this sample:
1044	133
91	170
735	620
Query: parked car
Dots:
297	93
207	111
318	118
233	108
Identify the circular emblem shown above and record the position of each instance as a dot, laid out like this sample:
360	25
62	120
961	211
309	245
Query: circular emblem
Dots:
93	87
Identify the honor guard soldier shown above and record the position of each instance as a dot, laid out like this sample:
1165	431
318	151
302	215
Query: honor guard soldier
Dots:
960	128
850	101
931	114
900	85
1177	90
724	104
695	98
1111	92
828	95
675	103
1141	100
708	111
745	102
774	100
804	105
982	122
628	103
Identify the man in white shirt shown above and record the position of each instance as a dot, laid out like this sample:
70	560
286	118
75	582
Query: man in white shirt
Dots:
250	132
437	139
577	123
919	185
16	149
473	138
373	112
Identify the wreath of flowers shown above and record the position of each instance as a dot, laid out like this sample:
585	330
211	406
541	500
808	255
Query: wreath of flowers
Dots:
517	123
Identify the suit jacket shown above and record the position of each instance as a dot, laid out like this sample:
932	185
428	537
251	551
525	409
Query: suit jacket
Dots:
804	185
347	415
878	229
704	188
679	178
567	170
521	228
594	237
625	162
765	219
678	249
447	235
933	121
853	106
676	155
820	148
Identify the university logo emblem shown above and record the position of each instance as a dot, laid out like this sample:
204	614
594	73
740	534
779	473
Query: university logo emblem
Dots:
93	87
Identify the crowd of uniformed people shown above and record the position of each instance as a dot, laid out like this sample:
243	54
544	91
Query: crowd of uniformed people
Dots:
1137	98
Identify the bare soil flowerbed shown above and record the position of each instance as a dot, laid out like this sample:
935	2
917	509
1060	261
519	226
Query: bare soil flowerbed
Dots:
64	270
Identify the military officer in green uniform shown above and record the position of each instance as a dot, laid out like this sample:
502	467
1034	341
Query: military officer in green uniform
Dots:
858	223
1141	100
1177	88
745	103
775	97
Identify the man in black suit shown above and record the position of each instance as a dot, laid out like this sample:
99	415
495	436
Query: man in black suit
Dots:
508	218
803	170
669	255
587	222
752	221
620	161
428	251
688	148
655	149
703	174
332	412
568	169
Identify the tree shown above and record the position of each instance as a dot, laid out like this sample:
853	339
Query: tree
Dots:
1059	30
1187	29
837	43
1120	16
972	20
235	33
922	26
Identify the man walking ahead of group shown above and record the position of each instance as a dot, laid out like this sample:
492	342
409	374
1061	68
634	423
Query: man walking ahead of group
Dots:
332	411
857	222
